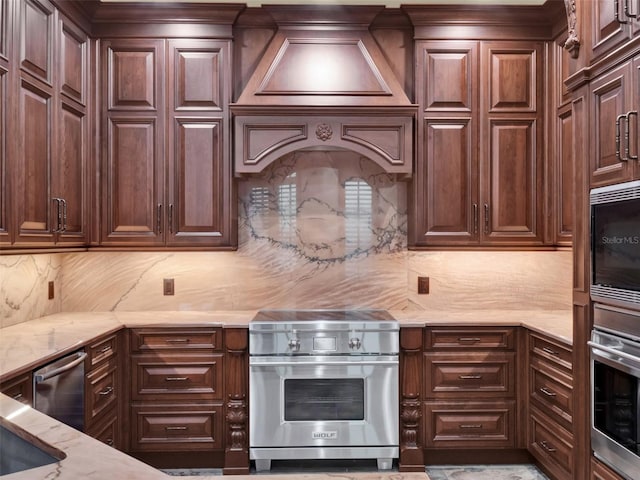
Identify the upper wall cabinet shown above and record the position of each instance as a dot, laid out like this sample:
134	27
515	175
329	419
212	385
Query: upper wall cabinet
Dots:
6	65
166	164
611	23
51	137
479	174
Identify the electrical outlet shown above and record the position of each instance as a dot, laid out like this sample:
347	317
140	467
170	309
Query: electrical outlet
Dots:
168	286
423	285
52	291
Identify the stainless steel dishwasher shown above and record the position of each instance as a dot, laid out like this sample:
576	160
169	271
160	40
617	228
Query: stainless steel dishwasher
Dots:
58	389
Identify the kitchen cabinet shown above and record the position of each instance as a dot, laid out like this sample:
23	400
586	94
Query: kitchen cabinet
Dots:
613	130
165	149
480	170
19	388
550	400
469	388
177	387
104	390
599	471
610	24
6	127
51	144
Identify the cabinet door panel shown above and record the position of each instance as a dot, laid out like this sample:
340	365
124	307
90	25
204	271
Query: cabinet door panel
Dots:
564	172
33	207
134	181
36	39
73	61
5	24
450	202
513	183
4	135
198	78
606	31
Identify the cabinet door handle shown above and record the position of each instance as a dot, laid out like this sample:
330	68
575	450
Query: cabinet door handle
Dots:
468	339
171	218
175	428
177	340
105	349
475	218
486	218
159	219
16	396
64	215
58	228
547	392
546	446
630	114
470	377
627	13
618	121
550	351
470	425
616	11
176	379
106	391
109	441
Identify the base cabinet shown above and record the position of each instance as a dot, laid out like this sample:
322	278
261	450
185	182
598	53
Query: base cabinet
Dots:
19	388
600	471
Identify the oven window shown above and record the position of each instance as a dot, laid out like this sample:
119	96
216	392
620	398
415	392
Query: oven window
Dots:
615	409
323	399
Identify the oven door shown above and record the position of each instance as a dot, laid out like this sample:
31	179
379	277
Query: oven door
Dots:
615	380
323	401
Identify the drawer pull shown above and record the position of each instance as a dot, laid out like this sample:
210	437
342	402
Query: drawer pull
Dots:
176	379
470	377
547	392
109	441
468	340
17	396
470	425
175	428
546	447
177	340
550	351
106	391
105	349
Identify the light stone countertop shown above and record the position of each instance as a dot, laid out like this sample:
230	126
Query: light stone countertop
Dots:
27	345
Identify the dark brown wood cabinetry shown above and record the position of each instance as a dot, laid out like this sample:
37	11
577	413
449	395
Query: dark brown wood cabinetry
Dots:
104	390
599	471
6	112
480	174
19	388
610	24
167	173
550	399
177	395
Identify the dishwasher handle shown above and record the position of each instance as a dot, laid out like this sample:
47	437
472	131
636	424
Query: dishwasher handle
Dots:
80	356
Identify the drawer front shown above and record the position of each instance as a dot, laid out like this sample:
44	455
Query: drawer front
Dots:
599	471
552	390
102	350
170	377
551	351
101	389
469	424
551	444
158	339
469	338
176	428
19	388
449	375
107	431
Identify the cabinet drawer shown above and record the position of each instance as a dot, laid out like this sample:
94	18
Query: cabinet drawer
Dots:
469	338
19	388
553	352
469	424
102	350
144	340
450	374
101	389
176	428
177	377
107	430
551	444
600	471
552	389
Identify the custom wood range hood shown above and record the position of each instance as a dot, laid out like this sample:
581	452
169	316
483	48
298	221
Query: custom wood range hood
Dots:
323	83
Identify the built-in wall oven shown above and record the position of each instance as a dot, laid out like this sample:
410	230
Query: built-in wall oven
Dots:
323	384
615	384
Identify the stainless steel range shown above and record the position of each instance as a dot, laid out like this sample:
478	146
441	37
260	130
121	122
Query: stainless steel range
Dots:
323	384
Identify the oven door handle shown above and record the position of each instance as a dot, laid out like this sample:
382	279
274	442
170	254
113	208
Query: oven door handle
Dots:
327	364
631	358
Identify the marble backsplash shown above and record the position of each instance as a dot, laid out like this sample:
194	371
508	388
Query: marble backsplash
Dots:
316	230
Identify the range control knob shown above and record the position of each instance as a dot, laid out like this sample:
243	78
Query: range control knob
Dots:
294	344
354	343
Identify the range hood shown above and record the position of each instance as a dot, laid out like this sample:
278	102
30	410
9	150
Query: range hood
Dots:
323	84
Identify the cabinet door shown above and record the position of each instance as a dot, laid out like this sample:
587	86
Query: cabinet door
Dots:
5	96
564	178
199	185
599	471
607	31
611	96
512	162
132	142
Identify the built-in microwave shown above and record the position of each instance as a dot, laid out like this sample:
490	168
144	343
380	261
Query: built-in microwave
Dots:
615	244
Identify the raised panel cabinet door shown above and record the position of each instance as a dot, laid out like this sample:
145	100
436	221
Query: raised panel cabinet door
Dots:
72	63
611	96
600	471
446	73
607	31
564	178
37	39
511	172
5	229
448	179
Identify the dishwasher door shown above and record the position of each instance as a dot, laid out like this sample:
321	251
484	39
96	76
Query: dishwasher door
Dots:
58	389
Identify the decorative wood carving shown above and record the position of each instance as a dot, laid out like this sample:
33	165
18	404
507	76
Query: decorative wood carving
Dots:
236	458
411	453
572	44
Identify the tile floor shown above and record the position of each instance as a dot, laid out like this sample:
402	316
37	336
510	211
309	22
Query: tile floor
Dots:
485	472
